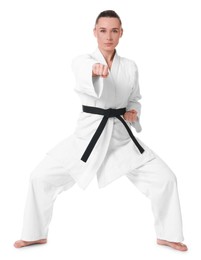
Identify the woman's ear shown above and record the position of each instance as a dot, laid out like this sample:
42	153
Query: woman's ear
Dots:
121	33
94	31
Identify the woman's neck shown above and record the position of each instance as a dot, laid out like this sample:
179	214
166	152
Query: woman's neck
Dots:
108	55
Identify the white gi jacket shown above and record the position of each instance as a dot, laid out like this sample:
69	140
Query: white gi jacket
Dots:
114	154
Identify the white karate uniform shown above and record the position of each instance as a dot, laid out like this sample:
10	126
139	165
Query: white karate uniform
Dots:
114	154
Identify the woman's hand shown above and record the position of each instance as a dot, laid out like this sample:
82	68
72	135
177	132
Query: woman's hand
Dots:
100	70
130	116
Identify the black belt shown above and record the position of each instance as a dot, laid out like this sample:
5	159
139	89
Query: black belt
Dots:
107	113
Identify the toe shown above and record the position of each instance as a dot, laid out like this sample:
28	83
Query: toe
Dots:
181	247
18	244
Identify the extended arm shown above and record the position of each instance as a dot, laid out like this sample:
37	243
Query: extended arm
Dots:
86	71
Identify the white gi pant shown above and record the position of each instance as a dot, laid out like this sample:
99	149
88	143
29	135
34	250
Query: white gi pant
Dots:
154	179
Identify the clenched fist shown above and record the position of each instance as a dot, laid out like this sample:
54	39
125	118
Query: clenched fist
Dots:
100	70
130	116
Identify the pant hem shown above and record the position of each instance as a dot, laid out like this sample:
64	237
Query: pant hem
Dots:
177	239
35	238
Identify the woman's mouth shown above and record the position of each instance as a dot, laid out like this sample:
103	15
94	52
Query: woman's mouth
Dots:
109	44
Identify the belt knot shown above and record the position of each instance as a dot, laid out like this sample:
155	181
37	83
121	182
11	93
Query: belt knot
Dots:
106	113
110	112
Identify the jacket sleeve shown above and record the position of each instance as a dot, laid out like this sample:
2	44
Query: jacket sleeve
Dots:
85	83
133	101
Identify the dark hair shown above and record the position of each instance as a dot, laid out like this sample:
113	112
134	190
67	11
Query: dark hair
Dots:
108	13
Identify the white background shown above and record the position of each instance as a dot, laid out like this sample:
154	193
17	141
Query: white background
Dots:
38	108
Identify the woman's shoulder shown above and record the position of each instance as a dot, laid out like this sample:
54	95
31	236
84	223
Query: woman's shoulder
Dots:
128	62
83	60
82	57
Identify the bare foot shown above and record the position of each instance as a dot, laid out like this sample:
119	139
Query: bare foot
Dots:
22	243
176	245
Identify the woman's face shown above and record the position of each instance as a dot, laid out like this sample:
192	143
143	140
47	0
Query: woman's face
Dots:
108	31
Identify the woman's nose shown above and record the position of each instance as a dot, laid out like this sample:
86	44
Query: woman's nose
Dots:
109	36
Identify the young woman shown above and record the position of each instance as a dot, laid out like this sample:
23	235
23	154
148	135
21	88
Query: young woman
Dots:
103	144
